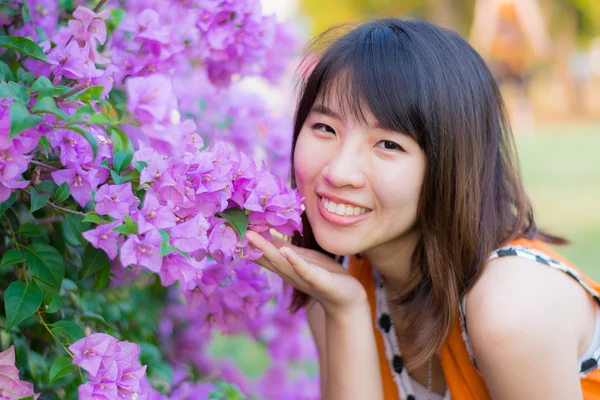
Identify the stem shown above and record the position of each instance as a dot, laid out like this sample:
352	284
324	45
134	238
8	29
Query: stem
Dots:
17	245
41	164
49	220
66	210
99	6
53	335
71	92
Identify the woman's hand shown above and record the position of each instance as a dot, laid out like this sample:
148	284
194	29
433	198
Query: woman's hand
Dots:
311	272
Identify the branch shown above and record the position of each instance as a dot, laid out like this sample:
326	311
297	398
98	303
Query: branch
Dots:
99	6
52	334
73	91
66	210
41	164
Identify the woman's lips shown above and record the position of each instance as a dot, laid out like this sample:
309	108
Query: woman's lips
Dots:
343	220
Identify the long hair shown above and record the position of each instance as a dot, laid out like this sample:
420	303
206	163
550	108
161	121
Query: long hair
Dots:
430	84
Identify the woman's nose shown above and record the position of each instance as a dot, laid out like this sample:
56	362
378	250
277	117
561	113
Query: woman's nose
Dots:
345	168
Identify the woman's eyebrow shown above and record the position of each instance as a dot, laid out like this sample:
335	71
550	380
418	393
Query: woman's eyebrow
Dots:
322	109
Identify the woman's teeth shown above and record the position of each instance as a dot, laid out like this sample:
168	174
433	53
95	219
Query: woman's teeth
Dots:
342	209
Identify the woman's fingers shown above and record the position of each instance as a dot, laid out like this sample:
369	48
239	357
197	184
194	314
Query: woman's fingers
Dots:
315	277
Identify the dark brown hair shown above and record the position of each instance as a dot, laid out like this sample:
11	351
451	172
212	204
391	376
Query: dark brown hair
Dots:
429	83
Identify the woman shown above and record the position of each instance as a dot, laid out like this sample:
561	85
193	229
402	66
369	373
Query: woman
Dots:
406	163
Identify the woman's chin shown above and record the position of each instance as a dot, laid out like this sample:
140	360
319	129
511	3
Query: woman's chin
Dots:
338	246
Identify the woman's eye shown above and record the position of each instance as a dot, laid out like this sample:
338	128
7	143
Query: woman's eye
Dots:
323	127
389	145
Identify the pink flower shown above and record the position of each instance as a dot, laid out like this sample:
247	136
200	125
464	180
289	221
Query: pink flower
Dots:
103	237
143	250
89	26
116	200
82	182
190	236
153	215
11	387
150	98
93	352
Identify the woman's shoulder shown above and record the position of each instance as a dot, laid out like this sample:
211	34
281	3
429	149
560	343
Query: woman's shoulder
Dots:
524	298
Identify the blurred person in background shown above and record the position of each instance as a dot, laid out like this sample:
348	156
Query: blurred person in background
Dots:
421	266
511	35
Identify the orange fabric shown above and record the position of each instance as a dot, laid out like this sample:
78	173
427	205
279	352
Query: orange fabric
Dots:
462	378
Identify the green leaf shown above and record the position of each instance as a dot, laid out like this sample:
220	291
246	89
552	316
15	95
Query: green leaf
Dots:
11	257
6	204
21	119
100	119
68	330
130	227
90	316
93	260
47	105
62	193
61	367
37	200
24	76
121	141
46	263
140	165
165	247
91	93
23	45
88	136
21	301
121	160
105	163
46	186
237	218
45	145
5	72
101	278
93	218
40	83
14	90
77	226
52	301
132	175
27	398
30	230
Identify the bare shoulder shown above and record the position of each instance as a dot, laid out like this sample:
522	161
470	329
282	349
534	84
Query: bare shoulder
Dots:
516	294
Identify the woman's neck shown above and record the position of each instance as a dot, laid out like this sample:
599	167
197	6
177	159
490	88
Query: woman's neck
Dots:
392	260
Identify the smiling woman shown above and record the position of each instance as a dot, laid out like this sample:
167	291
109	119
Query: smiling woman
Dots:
406	161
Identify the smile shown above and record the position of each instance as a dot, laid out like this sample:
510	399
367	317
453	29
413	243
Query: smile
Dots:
341	214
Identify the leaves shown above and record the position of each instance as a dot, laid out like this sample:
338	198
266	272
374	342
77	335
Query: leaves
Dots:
6	204
45	145
93	260
46	264
68	330
21	119
165	247
77	226
47	105
130	227
23	45
11	257
52	301
62	193
237	218
61	367
40	84
37	200
122	150
94	218
21	301
5	72
91	93
14	90
46	186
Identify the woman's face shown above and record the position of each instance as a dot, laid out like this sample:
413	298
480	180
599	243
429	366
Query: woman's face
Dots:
361	182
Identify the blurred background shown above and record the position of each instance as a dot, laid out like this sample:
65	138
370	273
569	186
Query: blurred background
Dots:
546	57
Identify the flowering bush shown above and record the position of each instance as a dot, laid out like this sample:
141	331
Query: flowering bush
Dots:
129	174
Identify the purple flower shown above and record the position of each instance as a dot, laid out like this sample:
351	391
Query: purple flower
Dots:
143	250
150	98
190	236
88	25
222	242
176	267
116	200
103	237
73	62
74	150
93	352
11	387
153	215
82	182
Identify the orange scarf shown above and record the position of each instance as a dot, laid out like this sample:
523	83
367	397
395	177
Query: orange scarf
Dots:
462	378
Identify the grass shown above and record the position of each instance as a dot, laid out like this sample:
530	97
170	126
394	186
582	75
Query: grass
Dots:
561	170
